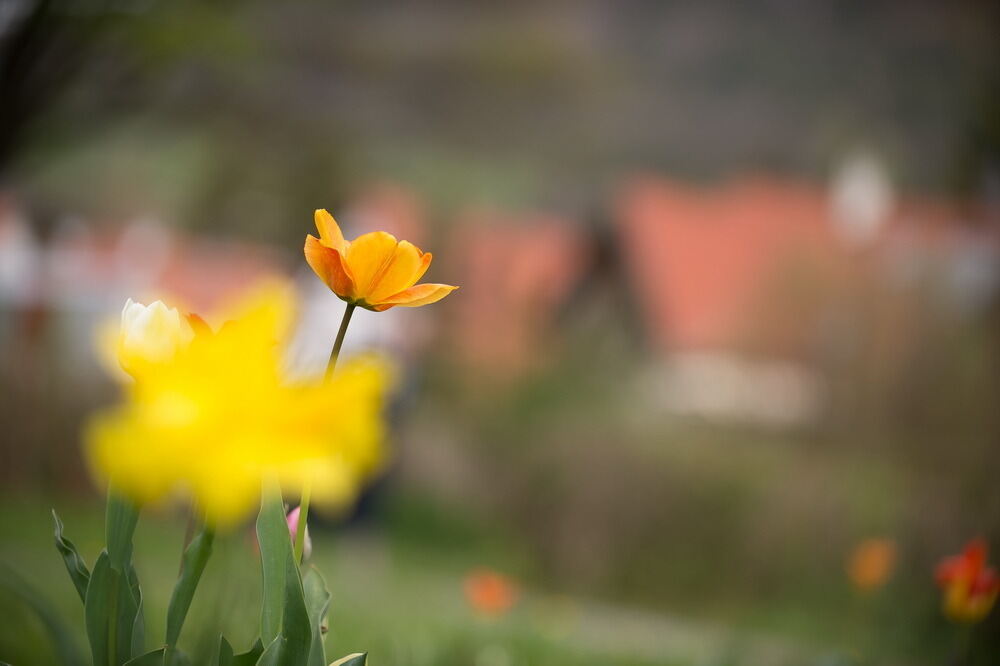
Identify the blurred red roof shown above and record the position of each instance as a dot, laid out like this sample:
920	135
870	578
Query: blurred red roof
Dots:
695	257
515	271
699	258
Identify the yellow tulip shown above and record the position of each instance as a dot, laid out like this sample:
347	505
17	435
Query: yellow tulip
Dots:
218	418
374	271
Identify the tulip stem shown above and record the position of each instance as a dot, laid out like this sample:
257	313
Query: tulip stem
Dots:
339	342
300	529
188	535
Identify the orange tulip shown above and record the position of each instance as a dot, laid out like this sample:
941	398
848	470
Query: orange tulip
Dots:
871	563
970	587
374	271
489	592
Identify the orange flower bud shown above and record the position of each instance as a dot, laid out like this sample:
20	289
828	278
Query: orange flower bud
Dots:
871	563
489	592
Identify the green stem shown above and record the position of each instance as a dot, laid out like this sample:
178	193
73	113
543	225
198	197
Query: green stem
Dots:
119	528
120	521
300	529
965	646
300	532
339	342
193	563
188	535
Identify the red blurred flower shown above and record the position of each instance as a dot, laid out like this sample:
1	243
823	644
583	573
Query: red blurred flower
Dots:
970	587
489	592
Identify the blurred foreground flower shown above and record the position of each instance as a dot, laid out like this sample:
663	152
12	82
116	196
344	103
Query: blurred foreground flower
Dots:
871	563
970	587
219	417
490	593
374	271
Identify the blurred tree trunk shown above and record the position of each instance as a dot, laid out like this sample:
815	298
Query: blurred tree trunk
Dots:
44	45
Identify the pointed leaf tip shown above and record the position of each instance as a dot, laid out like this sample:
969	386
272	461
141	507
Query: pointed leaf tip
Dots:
75	565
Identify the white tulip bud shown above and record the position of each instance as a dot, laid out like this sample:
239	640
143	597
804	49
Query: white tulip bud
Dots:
151	334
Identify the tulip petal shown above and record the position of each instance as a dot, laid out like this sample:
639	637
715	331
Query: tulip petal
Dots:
329	265
425	263
329	231
421	294
402	271
367	258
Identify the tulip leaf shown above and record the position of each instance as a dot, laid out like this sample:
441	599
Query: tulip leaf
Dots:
75	565
275	548
139	621
228	658
285	623
122	516
317	602
192	566
63	644
97	609
154	658
356	659
111	610
174	657
291	647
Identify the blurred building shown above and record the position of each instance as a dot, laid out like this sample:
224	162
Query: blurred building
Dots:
516	271
745	292
55	288
747	289
57	284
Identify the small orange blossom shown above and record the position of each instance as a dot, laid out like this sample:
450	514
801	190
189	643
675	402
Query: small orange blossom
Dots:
489	592
374	271
871	563
970	587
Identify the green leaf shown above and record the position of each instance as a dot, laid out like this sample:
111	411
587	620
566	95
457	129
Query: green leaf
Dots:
291	645
122	516
97	609
192	565
248	658
75	565
110	611
226	655
275	548
139	622
154	658
63	645
356	659
174	657
317	602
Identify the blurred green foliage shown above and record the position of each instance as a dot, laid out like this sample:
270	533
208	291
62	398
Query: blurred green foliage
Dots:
258	107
